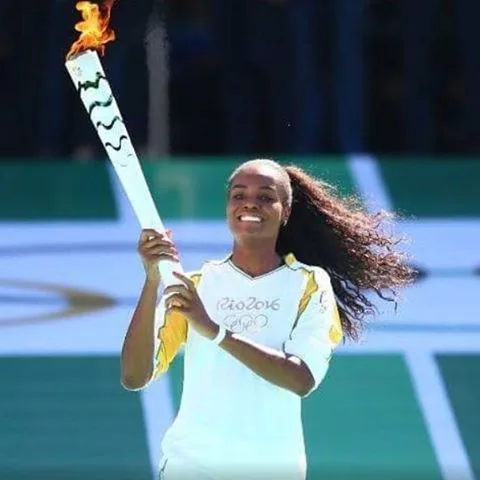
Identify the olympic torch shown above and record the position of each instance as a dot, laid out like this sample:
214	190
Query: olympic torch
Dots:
86	71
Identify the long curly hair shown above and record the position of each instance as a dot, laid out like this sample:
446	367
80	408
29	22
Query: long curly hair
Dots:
337	234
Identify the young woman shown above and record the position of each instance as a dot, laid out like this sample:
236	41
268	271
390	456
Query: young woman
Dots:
260	326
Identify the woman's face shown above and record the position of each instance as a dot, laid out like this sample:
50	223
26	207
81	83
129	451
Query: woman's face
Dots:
256	206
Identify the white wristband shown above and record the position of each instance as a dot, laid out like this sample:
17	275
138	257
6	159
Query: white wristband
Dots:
222	332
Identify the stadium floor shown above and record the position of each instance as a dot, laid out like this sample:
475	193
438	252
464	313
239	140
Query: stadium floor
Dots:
403	404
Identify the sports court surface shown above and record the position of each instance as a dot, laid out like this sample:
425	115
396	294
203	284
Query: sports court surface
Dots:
404	404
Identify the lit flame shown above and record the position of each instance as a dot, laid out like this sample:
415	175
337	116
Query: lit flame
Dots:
94	29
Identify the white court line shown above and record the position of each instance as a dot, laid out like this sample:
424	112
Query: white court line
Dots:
368	179
442	428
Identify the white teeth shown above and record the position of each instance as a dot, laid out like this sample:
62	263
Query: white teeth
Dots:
249	218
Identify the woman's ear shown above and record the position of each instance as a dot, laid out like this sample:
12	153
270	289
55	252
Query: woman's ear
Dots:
286	215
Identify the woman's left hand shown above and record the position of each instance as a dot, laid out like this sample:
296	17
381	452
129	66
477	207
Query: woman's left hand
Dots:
185	299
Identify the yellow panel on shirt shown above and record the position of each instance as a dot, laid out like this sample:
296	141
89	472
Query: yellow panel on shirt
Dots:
171	335
312	287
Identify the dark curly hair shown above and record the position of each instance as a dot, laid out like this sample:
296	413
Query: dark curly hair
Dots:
337	234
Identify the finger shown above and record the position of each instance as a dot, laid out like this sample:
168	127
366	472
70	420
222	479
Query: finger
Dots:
157	257
150	234
147	233
188	282
157	246
158	242
160	238
178	295
163	251
179	309
176	299
179	289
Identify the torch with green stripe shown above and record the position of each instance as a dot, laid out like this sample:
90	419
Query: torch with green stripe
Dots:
87	73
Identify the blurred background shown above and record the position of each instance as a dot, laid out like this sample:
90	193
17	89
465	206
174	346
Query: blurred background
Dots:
379	97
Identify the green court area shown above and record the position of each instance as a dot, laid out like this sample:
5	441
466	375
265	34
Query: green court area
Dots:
462	379
68	417
433	187
195	188
46	191
182	188
365	423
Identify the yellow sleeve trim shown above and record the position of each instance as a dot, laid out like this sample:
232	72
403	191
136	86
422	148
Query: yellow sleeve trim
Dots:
336	331
310	288
172	335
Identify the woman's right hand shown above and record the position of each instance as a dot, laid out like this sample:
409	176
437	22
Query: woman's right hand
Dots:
154	247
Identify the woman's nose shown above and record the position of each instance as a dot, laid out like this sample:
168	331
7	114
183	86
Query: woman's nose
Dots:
251	204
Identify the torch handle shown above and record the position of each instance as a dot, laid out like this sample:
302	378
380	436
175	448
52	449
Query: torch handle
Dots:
136	189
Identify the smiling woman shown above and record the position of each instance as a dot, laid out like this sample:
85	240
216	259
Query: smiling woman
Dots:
259	326
257	205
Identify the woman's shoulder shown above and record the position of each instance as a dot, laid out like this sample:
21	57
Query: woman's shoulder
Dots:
296	265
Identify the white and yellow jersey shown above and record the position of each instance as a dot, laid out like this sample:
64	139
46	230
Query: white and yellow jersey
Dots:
230	419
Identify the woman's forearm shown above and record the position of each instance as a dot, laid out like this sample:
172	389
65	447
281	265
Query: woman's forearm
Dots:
138	346
275	366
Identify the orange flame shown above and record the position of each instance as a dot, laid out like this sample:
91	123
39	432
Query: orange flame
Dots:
94	29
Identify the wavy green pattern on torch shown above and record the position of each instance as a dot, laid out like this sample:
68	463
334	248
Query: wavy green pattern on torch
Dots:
91	84
119	147
99	103
111	124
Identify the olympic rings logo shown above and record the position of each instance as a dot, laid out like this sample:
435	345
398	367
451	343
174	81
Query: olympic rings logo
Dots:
245	322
